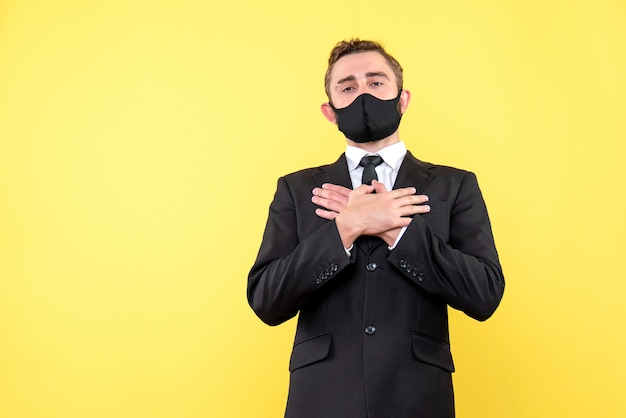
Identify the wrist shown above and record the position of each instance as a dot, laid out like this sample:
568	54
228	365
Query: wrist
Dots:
347	231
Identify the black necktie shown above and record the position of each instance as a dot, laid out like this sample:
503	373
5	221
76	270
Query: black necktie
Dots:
369	163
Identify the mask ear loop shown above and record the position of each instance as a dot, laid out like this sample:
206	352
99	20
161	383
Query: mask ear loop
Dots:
398	97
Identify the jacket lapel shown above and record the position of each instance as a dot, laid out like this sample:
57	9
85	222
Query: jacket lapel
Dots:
413	173
335	173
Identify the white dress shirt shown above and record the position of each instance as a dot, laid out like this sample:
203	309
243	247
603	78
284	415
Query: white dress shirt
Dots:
387	171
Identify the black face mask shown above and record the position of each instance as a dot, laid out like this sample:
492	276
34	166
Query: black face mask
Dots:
368	118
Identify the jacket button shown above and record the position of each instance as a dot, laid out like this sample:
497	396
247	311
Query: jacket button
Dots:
370	330
372	267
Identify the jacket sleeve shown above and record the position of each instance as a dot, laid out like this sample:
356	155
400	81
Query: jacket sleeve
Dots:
464	270
290	269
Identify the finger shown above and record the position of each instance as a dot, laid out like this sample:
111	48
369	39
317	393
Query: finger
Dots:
405	191
344	191
412	200
363	189
328	204
326	214
422	198
411	210
331	195
404	221
322	191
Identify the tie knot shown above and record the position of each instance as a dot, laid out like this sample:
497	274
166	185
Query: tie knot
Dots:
369	163
374	160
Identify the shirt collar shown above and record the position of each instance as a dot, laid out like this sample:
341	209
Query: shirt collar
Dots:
392	155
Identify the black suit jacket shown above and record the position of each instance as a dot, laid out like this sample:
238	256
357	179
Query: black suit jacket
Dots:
372	336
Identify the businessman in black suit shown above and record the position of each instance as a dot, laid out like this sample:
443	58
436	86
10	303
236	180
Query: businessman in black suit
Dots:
370	251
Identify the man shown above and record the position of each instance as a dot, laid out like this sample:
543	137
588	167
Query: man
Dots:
371	268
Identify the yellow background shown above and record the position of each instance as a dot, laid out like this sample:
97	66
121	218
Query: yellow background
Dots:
140	143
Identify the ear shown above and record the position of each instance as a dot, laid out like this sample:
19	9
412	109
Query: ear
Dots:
405	98
329	113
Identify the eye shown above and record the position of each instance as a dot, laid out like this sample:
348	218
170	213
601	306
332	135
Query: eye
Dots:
376	83
347	89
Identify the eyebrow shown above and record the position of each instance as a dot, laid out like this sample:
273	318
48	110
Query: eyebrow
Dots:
367	75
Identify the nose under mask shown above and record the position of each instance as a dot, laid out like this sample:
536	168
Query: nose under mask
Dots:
369	118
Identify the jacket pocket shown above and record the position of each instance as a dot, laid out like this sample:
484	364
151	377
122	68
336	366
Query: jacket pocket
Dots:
310	351
433	352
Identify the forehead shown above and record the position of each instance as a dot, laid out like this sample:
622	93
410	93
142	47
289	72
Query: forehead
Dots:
360	63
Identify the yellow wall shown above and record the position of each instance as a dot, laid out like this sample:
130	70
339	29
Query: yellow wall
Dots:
133	194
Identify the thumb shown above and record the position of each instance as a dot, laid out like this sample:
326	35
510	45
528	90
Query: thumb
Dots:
379	187
363	189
